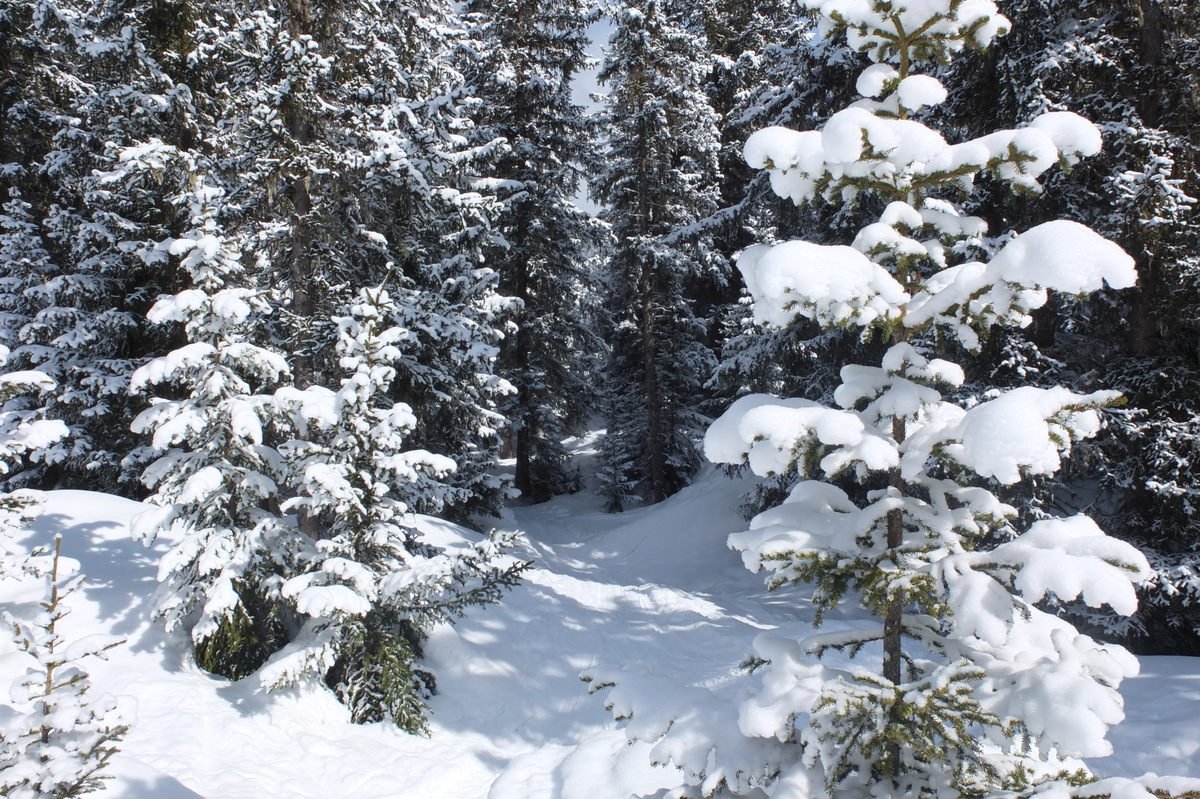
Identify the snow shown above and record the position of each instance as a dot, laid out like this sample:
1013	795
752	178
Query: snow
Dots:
976	21
918	91
856	143
1024	431
872	81
653	586
1064	256
834	285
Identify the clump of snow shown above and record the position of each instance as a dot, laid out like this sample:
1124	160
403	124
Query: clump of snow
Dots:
1063	256
1024	431
899	213
1073	135
976	22
835	285
903	152
1064	701
874	79
920	91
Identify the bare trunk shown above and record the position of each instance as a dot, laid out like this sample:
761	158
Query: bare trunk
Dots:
893	622
656	455
523	415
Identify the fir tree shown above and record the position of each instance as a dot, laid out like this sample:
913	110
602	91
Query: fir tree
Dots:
1123	66
370	589
788	76
527	55
896	506
343	129
85	85
215	478
660	178
56	740
25	434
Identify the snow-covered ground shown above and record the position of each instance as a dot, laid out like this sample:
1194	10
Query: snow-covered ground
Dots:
653	586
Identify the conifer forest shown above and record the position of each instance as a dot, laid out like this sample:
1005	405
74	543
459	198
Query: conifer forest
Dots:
379	330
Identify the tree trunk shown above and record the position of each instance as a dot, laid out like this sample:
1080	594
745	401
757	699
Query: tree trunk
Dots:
893	621
301	272
655	447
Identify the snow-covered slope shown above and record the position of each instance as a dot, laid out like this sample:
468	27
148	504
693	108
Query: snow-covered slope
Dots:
654	586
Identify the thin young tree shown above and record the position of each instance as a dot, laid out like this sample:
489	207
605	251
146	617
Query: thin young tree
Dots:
55	739
968	685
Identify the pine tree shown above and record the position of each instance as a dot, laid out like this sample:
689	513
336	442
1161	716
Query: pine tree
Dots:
787	76
25	265
660	179
215	477
527	54
1123	66
370	589
25	434
85	84
342	126
56	740
896	507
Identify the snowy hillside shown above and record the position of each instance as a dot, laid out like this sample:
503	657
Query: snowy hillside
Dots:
653	588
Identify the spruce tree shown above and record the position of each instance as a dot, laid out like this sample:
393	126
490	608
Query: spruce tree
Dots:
965	674
215	479
371	588
659	179
527	54
342	127
85	83
25	435
788	76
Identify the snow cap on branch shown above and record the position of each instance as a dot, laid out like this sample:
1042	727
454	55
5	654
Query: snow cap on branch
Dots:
834	286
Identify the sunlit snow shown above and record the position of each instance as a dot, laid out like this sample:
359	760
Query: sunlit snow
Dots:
653	586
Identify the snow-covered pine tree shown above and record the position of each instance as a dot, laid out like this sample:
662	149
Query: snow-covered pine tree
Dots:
788	76
660	177
1123	65
972	686
84	83
352	603
24	265
524	59
215	479
369	590
776	70
752	68
345	128
55	739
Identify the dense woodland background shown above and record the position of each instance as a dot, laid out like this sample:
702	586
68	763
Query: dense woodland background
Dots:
302	151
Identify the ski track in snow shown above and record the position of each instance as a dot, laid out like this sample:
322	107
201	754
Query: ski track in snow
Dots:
653	586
